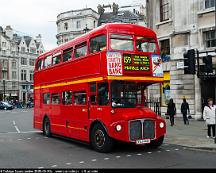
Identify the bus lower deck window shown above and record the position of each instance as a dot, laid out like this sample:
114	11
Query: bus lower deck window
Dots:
55	98
46	98
67	98
80	98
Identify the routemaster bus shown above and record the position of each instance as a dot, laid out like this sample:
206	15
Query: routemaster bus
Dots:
92	88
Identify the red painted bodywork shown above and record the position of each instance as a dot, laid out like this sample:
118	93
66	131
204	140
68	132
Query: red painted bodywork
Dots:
75	121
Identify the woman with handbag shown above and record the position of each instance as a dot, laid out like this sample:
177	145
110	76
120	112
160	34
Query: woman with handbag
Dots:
209	117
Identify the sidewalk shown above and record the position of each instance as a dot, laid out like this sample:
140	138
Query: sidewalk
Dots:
192	136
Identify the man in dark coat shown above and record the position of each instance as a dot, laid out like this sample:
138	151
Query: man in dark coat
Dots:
171	111
184	110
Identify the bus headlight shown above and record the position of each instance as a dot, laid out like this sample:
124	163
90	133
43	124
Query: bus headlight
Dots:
118	128
161	125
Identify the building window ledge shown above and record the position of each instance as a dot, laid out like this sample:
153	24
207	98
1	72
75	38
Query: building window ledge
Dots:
204	11
163	22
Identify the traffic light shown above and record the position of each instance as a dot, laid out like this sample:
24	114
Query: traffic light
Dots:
208	64
190	62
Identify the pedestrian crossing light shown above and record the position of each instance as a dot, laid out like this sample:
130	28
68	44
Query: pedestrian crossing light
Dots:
190	62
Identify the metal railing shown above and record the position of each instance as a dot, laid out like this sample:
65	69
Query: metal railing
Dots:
154	104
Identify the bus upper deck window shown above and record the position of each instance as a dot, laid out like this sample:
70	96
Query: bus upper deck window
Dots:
81	50
39	65
146	44
121	42
56	58
67	54
98	44
47	61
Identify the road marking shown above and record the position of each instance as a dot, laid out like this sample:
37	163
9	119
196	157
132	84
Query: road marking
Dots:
159	151
149	152
106	158
28	138
167	150
128	155
176	149
17	129
19	139
40	167
68	163
45	137
20	132
117	157
53	166
81	162
184	148
139	154
94	160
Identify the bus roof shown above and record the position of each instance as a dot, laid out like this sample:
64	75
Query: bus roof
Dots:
123	28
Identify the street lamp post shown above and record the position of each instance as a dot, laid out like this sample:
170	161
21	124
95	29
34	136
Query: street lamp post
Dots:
4	90
215	35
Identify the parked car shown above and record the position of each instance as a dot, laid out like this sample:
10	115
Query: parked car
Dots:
6	106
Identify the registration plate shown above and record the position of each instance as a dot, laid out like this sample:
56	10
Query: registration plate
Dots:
143	141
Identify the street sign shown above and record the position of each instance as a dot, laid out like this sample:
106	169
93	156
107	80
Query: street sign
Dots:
180	65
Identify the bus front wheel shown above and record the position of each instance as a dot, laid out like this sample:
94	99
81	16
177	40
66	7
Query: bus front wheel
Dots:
46	127
100	140
157	143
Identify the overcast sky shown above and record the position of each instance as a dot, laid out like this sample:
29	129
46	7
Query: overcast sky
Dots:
39	16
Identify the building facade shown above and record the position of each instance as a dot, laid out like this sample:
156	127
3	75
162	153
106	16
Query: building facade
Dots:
17	60
74	23
183	25
133	14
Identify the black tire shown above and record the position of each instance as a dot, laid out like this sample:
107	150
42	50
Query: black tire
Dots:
46	127
100	140
157	143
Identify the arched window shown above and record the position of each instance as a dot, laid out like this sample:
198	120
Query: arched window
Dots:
66	26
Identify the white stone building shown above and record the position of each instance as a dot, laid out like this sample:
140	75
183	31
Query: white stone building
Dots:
17	59
74	23
181	25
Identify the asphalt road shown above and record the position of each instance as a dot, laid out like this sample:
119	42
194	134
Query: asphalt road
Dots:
21	146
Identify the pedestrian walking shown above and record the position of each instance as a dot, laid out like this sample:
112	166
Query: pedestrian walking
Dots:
185	110
209	117
171	111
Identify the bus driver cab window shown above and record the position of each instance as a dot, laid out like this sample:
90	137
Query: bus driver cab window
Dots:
103	94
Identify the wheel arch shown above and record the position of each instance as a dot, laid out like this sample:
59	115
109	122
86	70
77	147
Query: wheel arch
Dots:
97	122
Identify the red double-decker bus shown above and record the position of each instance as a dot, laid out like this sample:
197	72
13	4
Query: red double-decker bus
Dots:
93	88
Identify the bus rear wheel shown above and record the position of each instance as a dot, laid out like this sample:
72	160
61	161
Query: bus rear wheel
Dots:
46	127
100	140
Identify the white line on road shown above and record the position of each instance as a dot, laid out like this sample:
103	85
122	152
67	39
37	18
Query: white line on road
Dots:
81	162
28	138
159	151
68	163
176	149
167	150
94	160
128	155
106	158
117	157
19	139
40	167
17	129
139	154
149	152
53	166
